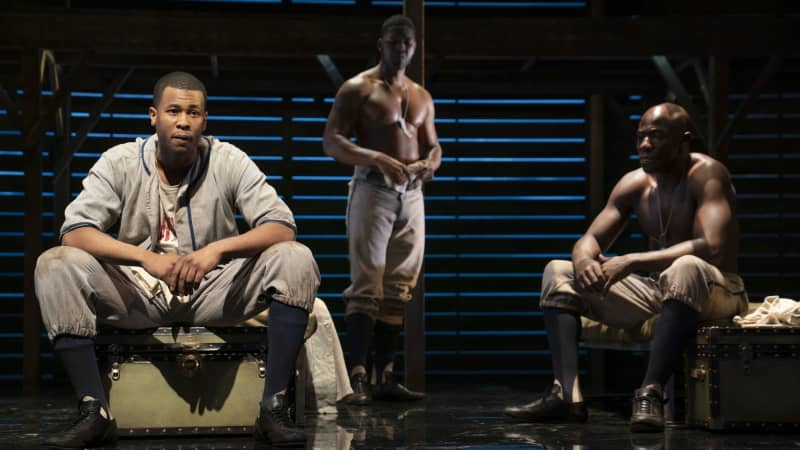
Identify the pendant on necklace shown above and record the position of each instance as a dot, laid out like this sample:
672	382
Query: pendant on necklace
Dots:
401	123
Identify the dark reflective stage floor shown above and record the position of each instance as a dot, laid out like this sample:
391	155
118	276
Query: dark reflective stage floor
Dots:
452	417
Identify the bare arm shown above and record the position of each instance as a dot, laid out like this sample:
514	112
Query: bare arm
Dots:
430	150
190	269
711	222
107	249
603	231
339	128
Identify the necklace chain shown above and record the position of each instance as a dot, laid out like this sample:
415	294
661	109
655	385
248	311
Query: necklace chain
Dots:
664	227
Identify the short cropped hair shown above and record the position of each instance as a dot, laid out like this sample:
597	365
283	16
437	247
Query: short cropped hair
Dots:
178	80
397	20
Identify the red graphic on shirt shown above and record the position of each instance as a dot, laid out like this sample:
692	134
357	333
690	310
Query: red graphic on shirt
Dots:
167	229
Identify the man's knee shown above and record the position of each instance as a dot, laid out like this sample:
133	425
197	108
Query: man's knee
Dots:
686	271
557	270
60	257
292	274
557	285
57	264
685	280
295	257
687	263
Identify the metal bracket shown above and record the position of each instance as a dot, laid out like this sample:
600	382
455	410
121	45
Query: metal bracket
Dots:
262	368
115	374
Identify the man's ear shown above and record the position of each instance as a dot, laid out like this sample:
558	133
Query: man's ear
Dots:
153	113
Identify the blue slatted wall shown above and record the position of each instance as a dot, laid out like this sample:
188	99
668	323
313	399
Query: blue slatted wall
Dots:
511	194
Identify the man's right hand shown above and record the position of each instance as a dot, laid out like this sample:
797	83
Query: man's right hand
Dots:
393	169
160	265
589	275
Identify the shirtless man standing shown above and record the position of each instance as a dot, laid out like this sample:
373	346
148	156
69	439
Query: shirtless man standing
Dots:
396	150
685	202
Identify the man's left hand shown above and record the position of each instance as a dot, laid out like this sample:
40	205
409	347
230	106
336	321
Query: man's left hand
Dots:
421	169
190	269
615	269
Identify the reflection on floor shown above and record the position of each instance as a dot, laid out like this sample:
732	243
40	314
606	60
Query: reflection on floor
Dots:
454	416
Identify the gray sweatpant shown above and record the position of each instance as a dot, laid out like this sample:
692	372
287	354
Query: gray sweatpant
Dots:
76	291
386	240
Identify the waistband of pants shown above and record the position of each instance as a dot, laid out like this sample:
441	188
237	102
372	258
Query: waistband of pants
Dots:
376	177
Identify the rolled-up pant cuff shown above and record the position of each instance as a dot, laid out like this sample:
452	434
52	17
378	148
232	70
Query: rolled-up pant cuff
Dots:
563	301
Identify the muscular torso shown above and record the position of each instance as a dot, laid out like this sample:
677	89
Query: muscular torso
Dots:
378	125
676	220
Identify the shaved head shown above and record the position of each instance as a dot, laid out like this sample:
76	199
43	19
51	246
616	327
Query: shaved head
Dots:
663	138
668	114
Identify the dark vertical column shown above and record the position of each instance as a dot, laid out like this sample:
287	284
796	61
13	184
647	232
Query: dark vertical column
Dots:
414	342
597	361
61	158
596	201
718	108
32	164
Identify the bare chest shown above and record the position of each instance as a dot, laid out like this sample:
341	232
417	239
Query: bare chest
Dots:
666	217
392	107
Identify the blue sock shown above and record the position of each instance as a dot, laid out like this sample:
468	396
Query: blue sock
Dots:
80	362
562	336
674	328
286	328
387	340
359	332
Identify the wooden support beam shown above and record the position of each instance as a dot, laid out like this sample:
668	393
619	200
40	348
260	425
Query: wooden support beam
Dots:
597	133
718	71
414	342
596	154
32	222
148	32
767	73
675	85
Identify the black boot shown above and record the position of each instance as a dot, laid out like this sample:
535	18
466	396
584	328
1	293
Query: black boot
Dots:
549	408
361	395
275	427
392	391
648	411
90	429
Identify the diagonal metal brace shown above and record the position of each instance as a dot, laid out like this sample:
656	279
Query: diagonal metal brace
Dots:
674	83
94	117
330	69
767	73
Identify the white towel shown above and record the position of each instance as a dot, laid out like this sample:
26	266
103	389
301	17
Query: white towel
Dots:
774	312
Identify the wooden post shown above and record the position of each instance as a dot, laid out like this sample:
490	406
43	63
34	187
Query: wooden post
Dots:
32	222
597	357
414	326
718	107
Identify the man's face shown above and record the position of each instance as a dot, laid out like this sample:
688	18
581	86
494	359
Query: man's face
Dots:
658	141
179	120
397	47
